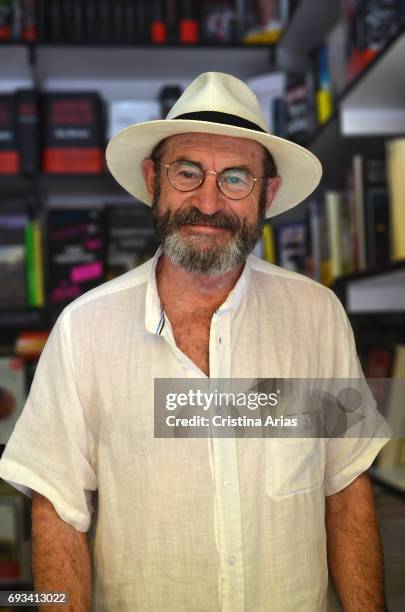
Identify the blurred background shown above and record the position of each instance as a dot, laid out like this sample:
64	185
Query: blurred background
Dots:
329	75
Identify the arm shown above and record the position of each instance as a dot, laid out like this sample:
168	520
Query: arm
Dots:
355	555
60	558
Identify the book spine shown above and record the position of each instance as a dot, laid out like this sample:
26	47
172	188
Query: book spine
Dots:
30	264
90	20
6	19
158	30
129	21
9	155
358	184
396	183
333	202
74	134
27	130
17	20
118	20
30	20
189	27
38	263
269	251
324	103
171	20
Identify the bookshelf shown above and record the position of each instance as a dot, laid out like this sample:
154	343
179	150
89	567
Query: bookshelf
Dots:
376	292
139	70
356	125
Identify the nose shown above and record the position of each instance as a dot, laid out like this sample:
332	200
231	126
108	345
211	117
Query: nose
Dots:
208	198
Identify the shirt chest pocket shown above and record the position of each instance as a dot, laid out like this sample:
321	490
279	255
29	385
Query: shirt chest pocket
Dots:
293	466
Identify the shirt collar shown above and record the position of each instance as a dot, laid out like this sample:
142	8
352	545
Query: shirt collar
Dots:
154	315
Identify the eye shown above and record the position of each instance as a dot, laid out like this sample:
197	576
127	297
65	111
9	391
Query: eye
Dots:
235	178
186	170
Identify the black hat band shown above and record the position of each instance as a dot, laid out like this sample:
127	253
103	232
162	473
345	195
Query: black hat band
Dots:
225	118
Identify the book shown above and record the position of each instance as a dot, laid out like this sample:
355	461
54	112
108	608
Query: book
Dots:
376	212
73	133
29	28
12	394
336	45
370	25
333	203
267	88
27	109
291	246
392	455
313	234
76	253
122	113
323	94
269	250
34	264
265	21
297	112
13	276
219	22
157	24
6	19
358	195
189	27
354	194
396	184
9	153
130	237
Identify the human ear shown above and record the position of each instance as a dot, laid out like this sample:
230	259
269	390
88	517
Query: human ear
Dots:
148	171
273	185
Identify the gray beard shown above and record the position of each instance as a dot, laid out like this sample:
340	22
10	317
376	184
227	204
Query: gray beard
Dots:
209	260
217	255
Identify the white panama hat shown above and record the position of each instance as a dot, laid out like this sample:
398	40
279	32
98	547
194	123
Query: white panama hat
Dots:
214	103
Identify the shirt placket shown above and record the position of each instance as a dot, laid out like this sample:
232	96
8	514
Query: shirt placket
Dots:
224	463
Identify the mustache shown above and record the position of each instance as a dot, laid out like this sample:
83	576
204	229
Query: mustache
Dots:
193	216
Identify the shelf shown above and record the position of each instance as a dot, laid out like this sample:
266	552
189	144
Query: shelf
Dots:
374	292
15	71
375	103
393	477
304	30
375	99
134	71
29	319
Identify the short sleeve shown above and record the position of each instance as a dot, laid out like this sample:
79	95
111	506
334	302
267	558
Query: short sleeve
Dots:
347	457
48	451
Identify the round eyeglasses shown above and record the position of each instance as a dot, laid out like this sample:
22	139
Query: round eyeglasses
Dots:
234	183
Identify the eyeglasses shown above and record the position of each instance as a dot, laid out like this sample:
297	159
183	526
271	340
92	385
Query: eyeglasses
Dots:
234	183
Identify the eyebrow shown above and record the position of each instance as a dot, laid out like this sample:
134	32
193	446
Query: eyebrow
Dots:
234	167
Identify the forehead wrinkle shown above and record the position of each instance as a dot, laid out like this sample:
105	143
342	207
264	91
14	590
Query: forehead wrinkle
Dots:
242	149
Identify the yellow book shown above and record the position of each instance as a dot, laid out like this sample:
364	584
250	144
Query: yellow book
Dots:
39	265
324	105
268	244
396	185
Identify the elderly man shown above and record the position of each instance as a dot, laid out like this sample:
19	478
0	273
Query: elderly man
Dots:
197	523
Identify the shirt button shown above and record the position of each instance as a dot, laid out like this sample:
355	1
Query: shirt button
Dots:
227	485
231	560
220	340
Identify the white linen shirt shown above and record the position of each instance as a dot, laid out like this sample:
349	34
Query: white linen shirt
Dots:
189	524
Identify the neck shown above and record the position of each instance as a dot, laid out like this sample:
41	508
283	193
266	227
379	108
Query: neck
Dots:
199	290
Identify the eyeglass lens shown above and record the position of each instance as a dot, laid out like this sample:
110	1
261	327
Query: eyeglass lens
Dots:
234	183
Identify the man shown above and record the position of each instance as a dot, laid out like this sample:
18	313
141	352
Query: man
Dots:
211	523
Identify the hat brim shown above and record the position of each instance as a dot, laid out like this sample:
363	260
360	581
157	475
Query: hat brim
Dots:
299	169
